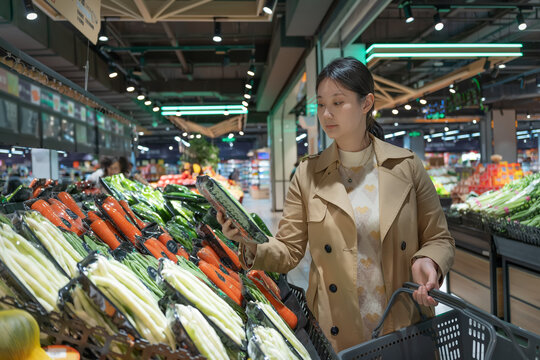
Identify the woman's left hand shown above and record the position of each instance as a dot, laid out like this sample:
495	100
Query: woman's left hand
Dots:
424	273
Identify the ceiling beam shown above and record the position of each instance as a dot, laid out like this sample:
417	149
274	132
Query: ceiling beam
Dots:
174	42
141	5
183	8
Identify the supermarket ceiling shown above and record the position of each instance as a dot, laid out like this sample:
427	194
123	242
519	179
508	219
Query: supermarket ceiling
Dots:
165	48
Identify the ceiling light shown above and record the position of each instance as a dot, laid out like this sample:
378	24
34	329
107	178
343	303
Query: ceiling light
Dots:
198	136
502	66
231	135
141	133
247	96
245	103
374	113
409	18
130	88
423	101
395	111
155	109
439	25
31	13
483	99
112	72
140	96
408	107
170	147
248	86
474	121
217	32
192	136
177	138
528	116
148	103
269	6
522	25
226	113
429	140
184	134
103	33
251	71
452	90
178	113
446	128
396	124
241	133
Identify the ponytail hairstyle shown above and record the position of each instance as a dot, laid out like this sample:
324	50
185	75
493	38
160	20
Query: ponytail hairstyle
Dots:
356	77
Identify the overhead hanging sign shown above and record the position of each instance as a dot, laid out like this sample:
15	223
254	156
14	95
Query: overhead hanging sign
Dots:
83	14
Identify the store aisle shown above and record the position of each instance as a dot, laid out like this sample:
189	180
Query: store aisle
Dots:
299	276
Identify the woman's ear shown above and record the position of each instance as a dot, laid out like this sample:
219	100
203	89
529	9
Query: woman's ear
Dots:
369	100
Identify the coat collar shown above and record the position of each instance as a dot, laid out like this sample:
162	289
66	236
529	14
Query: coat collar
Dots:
393	188
383	151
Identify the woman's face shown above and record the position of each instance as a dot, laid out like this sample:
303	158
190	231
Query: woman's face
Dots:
113	169
340	111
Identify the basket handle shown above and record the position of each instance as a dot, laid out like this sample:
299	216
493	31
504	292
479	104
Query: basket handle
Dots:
472	311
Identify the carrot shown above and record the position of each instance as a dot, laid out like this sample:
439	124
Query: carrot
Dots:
45	209
113	229
71	214
66	219
209	255
93	216
286	314
270	284
221	249
71	204
129	230
182	252
166	239
105	234
222	281
141	224
37	191
116	205
158	250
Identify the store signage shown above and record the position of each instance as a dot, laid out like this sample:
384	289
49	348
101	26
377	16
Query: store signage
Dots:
415	134
13	84
25	90
36	94
83	14
228	140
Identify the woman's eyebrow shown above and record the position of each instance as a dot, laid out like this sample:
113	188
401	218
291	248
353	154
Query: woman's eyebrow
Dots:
335	94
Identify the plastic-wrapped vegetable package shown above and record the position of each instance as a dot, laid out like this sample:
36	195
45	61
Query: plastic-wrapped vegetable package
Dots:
34	272
223	201
187	321
198	294
265	343
130	296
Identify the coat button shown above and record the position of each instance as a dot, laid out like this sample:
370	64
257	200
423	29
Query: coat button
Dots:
403	245
350	180
334	330
328	248
333	288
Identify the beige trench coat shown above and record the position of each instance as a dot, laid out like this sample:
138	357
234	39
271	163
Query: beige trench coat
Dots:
318	211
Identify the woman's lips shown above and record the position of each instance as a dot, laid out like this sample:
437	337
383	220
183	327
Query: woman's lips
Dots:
331	126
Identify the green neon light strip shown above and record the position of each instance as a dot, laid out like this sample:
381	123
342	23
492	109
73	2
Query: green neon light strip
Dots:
442	55
204	112
441	46
203	107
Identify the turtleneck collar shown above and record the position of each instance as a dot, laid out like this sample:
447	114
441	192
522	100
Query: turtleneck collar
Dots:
357	158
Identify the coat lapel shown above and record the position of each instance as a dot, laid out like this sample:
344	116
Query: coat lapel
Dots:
393	191
330	187
393	188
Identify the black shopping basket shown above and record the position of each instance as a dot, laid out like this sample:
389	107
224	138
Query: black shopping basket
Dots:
466	332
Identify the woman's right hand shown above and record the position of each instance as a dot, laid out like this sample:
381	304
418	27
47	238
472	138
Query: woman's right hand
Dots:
228	228
233	233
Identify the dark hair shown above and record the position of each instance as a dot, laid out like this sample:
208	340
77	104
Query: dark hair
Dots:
106	162
125	165
354	76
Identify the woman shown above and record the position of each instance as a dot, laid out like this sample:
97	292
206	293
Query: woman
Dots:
107	166
369	212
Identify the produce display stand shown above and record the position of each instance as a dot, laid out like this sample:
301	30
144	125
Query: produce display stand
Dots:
64	330
520	260
466	332
476	265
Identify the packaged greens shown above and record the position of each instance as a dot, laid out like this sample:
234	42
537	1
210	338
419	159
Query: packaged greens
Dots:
192	328
223	201
192	291
29	271
265	343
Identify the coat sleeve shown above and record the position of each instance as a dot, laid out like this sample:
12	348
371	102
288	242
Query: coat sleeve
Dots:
283	252
436	242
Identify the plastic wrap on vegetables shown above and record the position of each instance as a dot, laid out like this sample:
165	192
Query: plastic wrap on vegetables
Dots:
265	343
